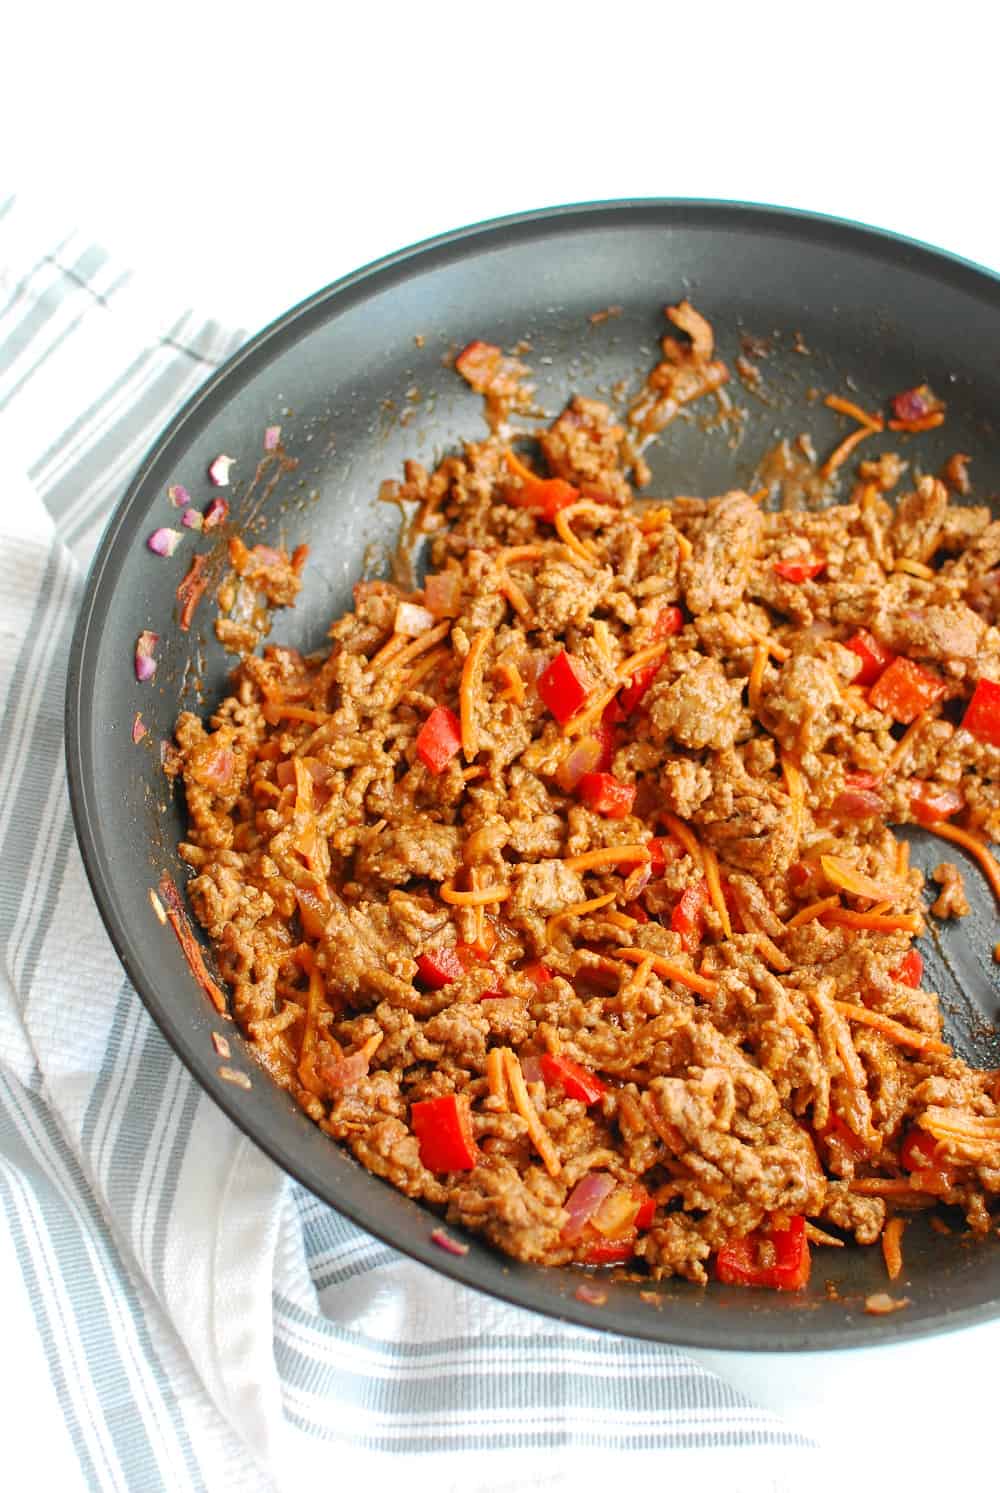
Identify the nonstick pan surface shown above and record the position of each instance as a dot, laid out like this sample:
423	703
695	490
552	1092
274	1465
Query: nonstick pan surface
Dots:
358	378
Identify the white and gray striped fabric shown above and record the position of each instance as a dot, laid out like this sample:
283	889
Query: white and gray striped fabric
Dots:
179	1313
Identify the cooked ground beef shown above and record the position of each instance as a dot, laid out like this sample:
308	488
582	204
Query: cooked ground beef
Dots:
562	891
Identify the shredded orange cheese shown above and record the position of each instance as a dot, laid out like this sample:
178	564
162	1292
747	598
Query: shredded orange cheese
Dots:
517	552
469	690
577	910
820	1236
509	588
274	713
777	650
843	874
473	899
496	1078
562	522
421	645
792	775
395	645
590	714
914	567
426	666
914	427
975	847
756	681
636	982
654	518
848	407
905	1036
902	859
668	969
520	468
513	684
714	883
640	659
844	917
684	545
540	1138
771	954
837	458
622	920
813	911
609	855
684	835
912	731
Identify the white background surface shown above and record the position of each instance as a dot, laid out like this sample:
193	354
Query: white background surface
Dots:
246	158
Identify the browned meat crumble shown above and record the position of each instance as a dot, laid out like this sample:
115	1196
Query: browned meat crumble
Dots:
562	891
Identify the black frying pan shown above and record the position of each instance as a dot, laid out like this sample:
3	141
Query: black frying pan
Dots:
357	378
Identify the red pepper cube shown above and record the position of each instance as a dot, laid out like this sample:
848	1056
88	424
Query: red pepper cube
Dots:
688	917
443	1128
905	690
576	1081
982	715
439	967
439	739
919	1154
797	571
647	1207
661	850
930	806
609	1251
631	695
838	1131
562	687
478	364
538	973
910	971
875	657
669	621
605	734
604	794
739	1263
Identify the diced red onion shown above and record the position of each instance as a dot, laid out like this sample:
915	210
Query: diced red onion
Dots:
145	663
593	1295
217	510
164	541
450	1246
192	519
138	729
584	1201
219	470
179	496
412	620
346	1073
583	758
442	593
272	437
221	1045
858	803
532	1070
219	771
912	404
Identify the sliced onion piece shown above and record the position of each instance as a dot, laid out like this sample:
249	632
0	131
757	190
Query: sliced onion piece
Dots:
532	1070
164	541
843	874
412	620
178	495
218	472
583	758
451	1246
584	1201
217	510
443	593
272	437
139	729
192	519
145	662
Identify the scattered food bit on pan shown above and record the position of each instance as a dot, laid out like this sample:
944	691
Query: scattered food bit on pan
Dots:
881	1304
563	889
235	1076
139	729
219	470
164	541
145	658
451	1246
222	1048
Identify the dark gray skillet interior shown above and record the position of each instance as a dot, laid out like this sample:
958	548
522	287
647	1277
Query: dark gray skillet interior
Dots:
357	379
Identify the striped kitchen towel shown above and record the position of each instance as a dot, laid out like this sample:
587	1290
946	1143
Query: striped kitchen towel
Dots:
177	1313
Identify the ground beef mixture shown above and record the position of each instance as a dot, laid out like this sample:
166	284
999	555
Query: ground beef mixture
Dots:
562	891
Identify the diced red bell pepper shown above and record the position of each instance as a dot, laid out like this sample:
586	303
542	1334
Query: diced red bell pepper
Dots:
562	688
637	911
610	1251
439	967
605	733
930	805
771	1257
661	850
910	972
688	917
837	1130
875	657
576	1081
647	1207
918	1153
630	696
549	494
439	739
798	571
602	792
538	973
859	798
982	715
668	623
905	690
444	1129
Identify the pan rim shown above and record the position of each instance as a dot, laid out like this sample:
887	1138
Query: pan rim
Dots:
79	720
